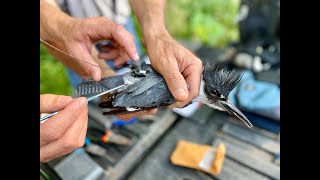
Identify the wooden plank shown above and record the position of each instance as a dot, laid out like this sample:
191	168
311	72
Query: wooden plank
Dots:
138	128
256	129
234	170
79	165
157	166
134	156
246	147
251	161
95	113
251	137
202	114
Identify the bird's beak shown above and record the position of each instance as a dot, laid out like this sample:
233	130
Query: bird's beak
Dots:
233	110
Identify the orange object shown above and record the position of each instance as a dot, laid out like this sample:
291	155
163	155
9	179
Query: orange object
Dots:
201	157
105	137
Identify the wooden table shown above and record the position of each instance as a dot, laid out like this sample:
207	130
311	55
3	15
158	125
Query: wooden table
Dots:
250	153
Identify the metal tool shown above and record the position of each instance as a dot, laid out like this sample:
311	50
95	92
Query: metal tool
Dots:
45	42
89	99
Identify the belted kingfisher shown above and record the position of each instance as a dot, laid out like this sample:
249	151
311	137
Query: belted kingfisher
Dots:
146	89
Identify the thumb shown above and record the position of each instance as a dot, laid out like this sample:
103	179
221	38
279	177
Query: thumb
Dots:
176	82
50	102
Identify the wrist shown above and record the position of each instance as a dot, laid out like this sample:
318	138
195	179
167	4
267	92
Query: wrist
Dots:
54	24
153	33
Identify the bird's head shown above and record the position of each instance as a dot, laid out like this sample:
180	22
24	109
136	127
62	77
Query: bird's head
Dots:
216	84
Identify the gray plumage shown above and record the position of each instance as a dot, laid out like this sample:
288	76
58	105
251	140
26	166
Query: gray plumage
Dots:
147	92
91	86
219	81
147	89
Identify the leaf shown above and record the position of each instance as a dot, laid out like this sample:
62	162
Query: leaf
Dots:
53	77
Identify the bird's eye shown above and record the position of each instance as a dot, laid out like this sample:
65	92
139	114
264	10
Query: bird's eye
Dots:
214	92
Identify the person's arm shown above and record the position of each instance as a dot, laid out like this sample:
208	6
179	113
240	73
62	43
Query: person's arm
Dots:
77	36
180	68
53	22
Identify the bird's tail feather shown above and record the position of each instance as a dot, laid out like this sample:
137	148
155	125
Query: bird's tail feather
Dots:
88	87
91	86
106	104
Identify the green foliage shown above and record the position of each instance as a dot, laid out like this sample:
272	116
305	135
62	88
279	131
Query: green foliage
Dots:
212	22
139	33
53	77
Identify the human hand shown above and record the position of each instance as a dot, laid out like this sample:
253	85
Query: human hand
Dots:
65	131
81	34
128	116
135	114
76	37
180	68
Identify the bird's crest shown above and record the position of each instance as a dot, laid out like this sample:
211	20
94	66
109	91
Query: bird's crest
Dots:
218	77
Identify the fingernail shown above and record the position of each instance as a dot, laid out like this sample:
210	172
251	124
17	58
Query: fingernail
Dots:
136	57
83	102
180	93
96	76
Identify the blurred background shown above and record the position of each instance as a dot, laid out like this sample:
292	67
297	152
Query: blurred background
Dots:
241	34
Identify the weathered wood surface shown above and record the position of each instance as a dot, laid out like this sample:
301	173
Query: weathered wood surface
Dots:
252	137
250	159
250	154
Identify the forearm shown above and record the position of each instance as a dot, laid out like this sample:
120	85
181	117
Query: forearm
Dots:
52	21
178	66
150	14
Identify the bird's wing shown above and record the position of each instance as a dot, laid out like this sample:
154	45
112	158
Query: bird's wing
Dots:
91	86
147	92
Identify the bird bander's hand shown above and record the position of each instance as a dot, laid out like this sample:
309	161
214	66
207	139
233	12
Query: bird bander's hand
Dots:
136	114
180	68
65	131
76	37
83	33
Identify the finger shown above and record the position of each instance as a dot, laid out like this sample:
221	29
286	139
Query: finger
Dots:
118	62
121	59
109	30
135	114
107	48
192	75
125	40
54	127
51	103
82	53
73	138
174	79
109	55
47	151
83	132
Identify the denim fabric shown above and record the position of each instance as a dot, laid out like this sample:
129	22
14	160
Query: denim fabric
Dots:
259	97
